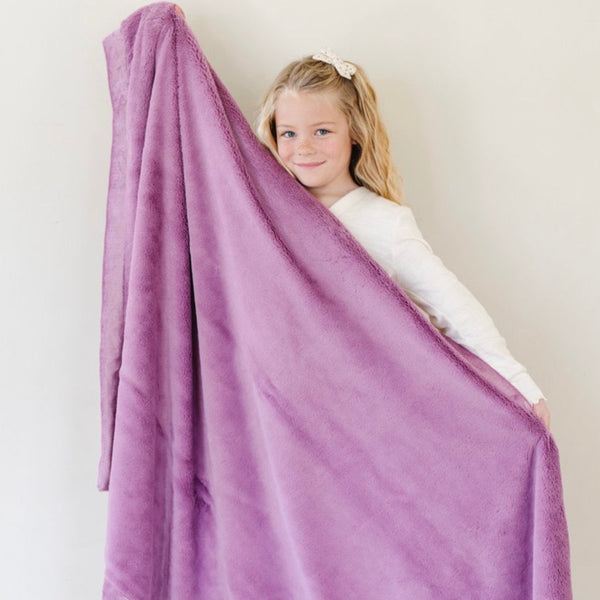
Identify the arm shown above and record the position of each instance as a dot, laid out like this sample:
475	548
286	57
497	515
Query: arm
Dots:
455	311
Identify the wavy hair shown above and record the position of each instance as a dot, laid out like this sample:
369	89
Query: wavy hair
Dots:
371	163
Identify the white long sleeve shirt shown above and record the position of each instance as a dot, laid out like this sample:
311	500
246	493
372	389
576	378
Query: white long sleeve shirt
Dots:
389	233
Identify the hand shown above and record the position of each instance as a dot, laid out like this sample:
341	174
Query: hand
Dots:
179	12
541	411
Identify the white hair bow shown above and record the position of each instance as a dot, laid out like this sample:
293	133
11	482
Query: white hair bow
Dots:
345	69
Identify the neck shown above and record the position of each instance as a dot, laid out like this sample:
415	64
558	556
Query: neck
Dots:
328	197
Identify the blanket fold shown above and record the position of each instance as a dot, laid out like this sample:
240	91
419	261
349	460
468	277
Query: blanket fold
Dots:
279	421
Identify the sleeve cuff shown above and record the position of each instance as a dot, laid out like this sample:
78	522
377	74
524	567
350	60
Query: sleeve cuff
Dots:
525	384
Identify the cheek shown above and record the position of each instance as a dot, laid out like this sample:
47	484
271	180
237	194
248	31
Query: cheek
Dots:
284	151
336	147
342	151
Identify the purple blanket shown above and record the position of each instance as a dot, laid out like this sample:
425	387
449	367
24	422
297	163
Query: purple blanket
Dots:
279	421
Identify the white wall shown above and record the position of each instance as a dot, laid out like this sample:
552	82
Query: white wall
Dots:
494	113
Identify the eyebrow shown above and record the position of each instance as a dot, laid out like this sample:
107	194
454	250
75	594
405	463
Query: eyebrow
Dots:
313	125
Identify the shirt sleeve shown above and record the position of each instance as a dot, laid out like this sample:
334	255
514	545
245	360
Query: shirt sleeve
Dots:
451	307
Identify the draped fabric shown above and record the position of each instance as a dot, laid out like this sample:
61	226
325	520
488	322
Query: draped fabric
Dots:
279	421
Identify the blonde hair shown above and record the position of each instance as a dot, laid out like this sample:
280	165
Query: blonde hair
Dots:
371	163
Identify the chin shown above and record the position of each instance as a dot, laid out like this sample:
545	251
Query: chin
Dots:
307	183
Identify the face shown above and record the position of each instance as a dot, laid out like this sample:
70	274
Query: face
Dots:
313	141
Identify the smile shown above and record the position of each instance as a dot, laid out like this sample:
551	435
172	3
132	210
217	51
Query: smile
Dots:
310	165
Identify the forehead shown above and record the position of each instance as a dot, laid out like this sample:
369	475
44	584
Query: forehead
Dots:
298	107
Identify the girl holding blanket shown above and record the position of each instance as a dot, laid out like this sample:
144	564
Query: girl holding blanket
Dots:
321	121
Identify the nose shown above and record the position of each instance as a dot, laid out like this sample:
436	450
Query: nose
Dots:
305	147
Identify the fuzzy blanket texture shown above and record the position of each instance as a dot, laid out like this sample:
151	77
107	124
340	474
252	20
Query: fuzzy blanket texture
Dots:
279	421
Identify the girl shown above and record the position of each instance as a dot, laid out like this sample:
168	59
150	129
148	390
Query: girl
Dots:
321	121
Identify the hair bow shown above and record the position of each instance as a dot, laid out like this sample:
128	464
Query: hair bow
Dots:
345	69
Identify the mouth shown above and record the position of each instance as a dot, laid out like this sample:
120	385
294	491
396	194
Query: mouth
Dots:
310	165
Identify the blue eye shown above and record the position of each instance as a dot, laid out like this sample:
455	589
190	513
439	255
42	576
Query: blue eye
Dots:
322	131
288	134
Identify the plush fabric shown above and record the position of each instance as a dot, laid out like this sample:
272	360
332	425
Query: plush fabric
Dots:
279	421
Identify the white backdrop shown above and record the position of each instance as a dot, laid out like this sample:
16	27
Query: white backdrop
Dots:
494	114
